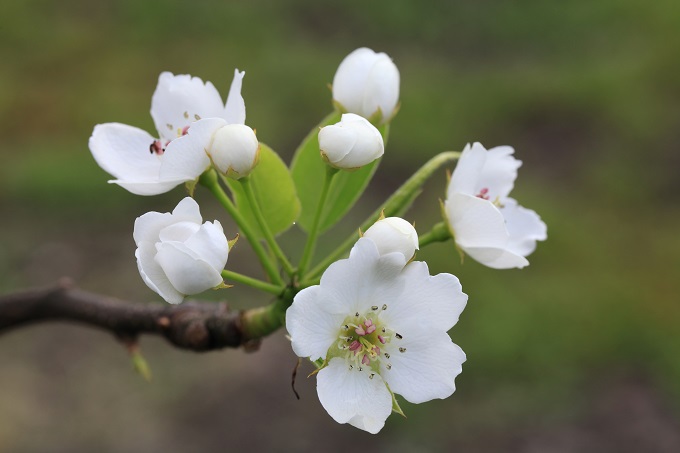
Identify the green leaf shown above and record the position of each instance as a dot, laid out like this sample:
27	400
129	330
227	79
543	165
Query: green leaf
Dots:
274	190
308	170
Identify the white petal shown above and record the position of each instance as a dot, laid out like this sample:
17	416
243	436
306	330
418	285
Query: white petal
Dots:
427	368
351	397
382	87
479	229
524	226
235	108
364	279
394	234
476	222
426	302
497	258
153	275
187	210
148	226
335	142
180	100
123	151
148	188
350	78
187	273
499	173
184	159
466	174
210	243
493	171
312	327
368	146
178	231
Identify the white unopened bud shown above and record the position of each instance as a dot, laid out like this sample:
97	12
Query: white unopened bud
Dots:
394	234
351	143
367	83
234	150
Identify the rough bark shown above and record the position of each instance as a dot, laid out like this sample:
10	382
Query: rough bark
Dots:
196	326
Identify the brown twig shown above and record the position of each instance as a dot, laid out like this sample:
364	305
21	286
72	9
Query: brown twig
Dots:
196	326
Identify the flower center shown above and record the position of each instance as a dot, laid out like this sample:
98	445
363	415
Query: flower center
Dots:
156	147
484	195
362	340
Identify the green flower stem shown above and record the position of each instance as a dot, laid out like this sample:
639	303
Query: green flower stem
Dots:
268	236
314	231
439	233
210	181
262	321
396	205
255	283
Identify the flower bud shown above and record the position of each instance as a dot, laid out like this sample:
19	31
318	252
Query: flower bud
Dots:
234	150
351	143
394	234
367	83
177	254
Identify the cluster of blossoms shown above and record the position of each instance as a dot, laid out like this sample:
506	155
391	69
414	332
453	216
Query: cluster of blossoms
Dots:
374	324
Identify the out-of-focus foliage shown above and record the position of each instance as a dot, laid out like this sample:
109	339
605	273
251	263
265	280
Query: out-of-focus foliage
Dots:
587	93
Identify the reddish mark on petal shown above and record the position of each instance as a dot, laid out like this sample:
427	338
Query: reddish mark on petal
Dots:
483	193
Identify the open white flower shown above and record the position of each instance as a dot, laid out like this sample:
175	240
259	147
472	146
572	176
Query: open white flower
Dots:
367	83
138	160
486	224
351	143
394	234
377	322
176	254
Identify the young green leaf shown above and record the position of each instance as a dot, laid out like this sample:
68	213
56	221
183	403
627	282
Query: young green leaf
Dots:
274	190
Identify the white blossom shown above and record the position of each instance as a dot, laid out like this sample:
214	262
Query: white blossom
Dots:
367	83
394	234
486	224
176	254
351	143
375	322
141	163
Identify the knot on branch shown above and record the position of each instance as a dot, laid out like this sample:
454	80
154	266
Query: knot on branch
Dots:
202	327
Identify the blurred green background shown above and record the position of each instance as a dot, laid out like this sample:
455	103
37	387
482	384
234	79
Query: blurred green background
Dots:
578	352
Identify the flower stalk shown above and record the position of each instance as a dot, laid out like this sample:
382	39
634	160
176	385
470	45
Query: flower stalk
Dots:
439	233
253	282
209	180
314	231
396	205
268	236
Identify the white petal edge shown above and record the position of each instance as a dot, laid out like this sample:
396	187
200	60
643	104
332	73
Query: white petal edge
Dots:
426	370
426	303
153	275
524	226
123	152
351	397
235	107
187	272
180	100
312	328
